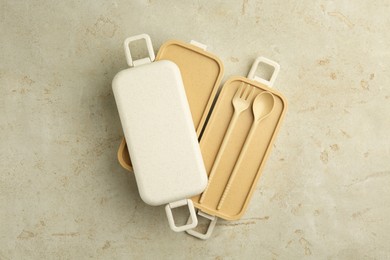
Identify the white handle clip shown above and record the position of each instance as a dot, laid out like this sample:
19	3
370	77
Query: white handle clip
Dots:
171	221
209	230
252	72
149	45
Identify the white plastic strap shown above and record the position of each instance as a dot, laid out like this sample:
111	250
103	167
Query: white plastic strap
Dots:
252	72
171	221
149	45
209	230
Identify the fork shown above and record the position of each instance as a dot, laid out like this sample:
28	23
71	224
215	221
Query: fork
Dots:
241	101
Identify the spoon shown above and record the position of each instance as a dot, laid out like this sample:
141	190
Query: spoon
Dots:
262	108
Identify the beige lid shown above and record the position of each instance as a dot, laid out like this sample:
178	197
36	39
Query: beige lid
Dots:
201	72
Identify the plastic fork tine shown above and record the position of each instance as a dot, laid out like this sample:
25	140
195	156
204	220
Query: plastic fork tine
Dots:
246	92
250	95
239	91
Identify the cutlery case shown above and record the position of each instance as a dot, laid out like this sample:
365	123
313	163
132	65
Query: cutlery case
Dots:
221	199
156	121
201	73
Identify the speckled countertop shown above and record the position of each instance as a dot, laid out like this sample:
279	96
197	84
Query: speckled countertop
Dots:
324	193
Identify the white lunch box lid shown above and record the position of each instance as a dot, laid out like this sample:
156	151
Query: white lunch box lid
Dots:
159	131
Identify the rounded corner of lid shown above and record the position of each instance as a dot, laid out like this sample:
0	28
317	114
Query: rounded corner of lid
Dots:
204	182
171	42
172	65
192	47
165	45
232	79
284	100
117	77
148	199
220	64
280	96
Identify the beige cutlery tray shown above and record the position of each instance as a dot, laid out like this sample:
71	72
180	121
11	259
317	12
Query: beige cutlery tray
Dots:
201	73
252	161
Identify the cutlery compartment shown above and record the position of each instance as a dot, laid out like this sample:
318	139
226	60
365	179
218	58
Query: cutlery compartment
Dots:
253	161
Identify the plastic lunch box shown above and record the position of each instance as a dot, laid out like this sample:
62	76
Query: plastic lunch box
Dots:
236	141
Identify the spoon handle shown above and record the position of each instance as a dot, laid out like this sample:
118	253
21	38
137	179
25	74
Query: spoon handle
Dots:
238	163
222	148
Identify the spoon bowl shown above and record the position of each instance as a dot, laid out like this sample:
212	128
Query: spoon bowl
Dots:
263	106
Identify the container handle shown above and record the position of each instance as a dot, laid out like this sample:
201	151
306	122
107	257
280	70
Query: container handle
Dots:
149	46
209	230
171	221
252	72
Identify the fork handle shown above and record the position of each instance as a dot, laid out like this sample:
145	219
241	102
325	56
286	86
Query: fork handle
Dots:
236	166
217	160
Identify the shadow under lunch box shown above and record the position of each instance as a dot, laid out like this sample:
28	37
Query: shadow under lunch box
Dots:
238	136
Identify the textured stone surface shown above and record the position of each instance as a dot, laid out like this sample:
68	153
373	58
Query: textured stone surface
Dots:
324	193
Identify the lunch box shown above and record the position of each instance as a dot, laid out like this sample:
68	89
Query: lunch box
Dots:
235	139
157	124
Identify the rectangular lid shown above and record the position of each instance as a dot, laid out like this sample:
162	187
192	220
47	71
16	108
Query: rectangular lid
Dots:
157	123
201	72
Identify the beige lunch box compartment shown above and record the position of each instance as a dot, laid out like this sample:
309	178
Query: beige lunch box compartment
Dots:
201	73
246	158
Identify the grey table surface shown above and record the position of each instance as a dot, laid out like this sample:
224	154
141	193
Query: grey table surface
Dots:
324	193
